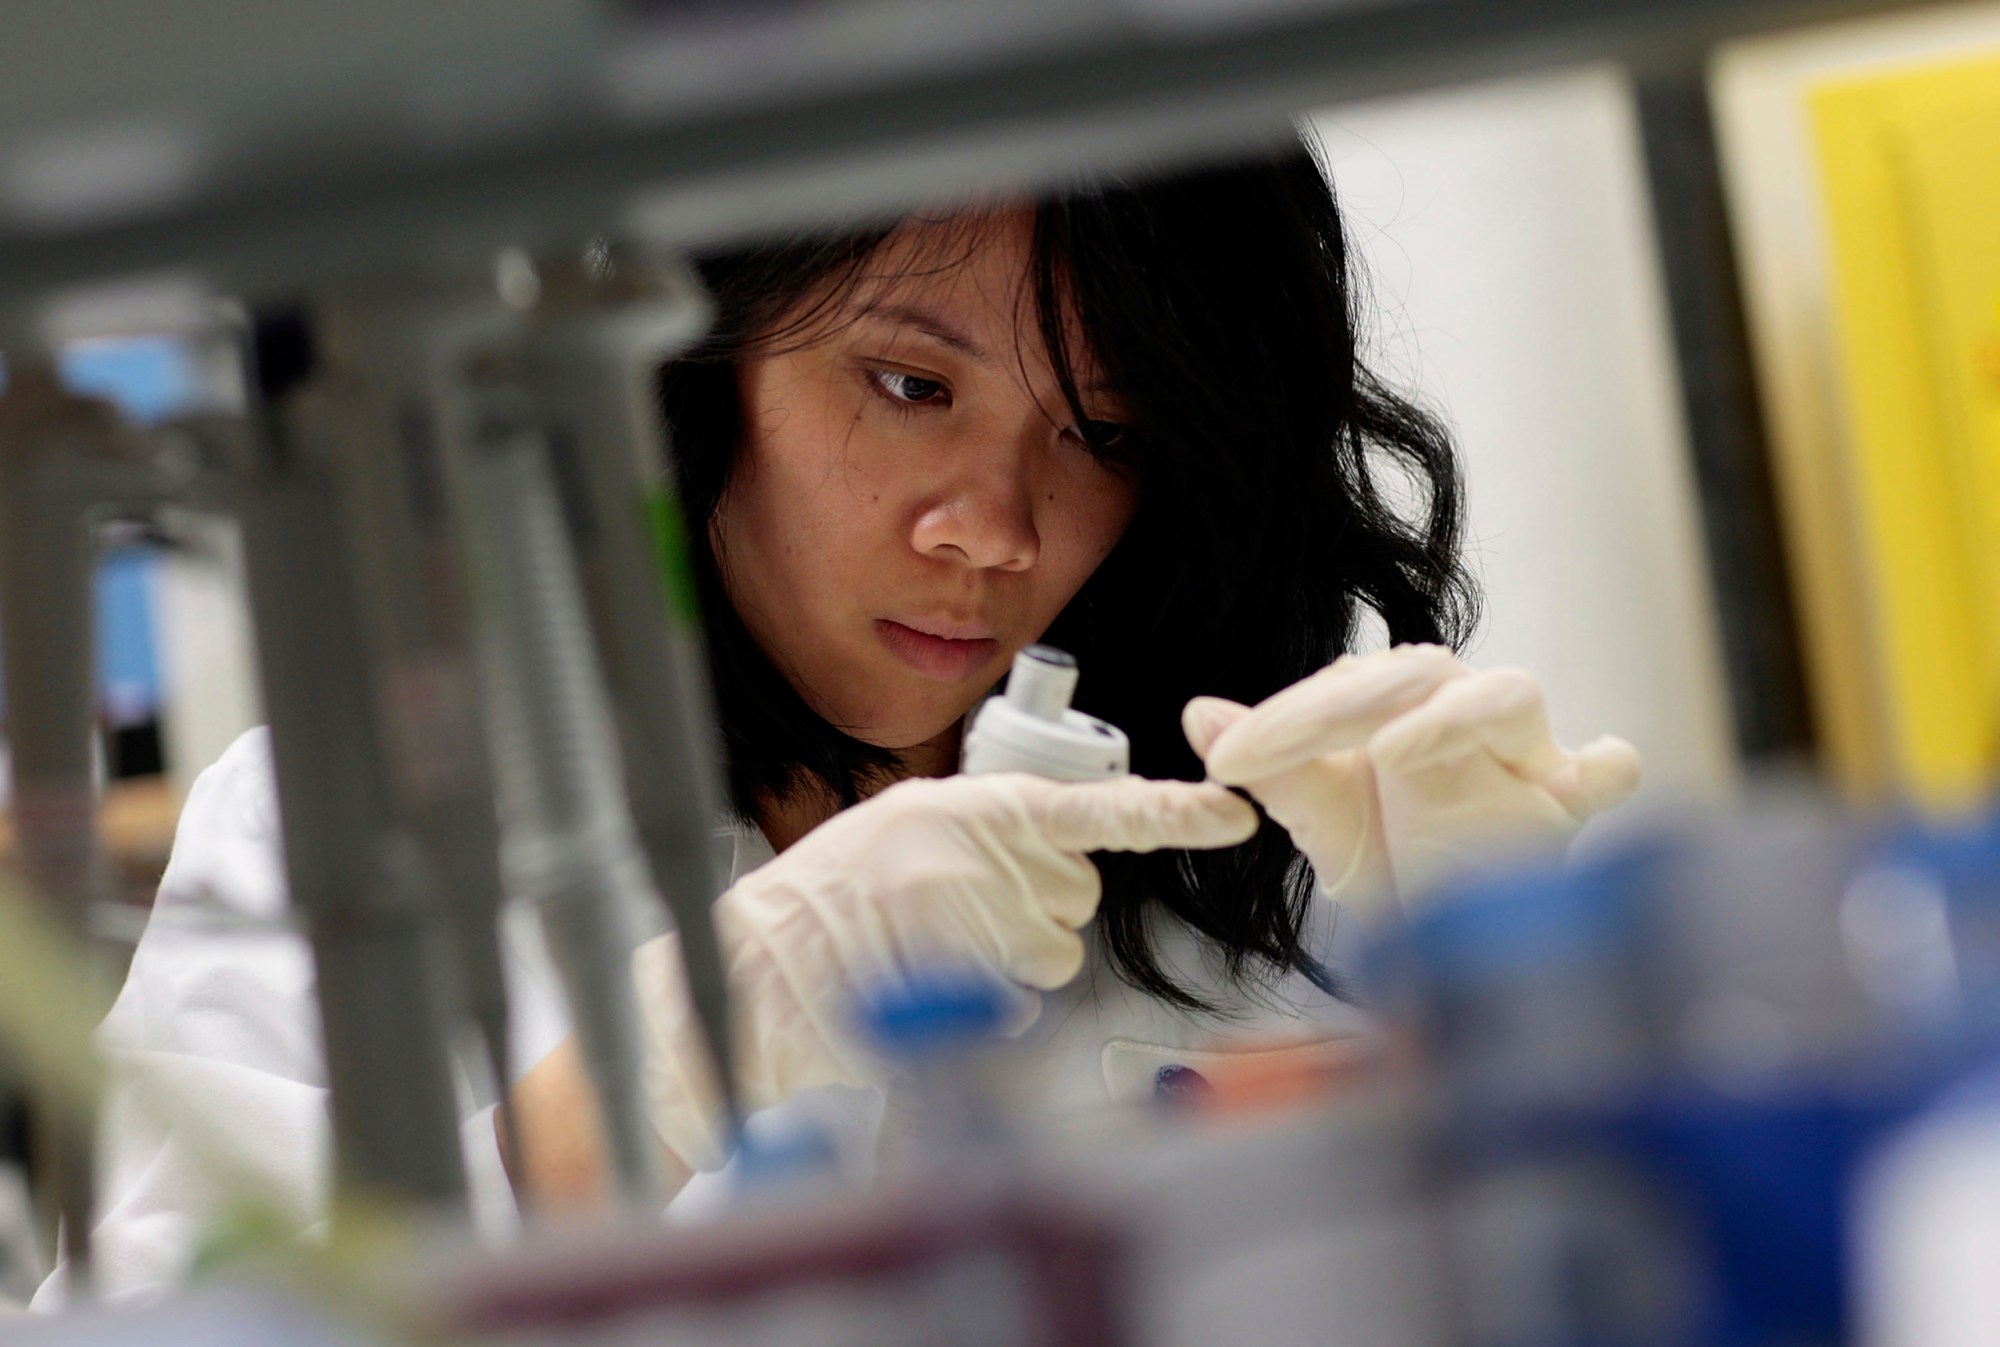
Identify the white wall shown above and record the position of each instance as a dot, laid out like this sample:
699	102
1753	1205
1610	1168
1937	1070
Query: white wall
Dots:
1517	291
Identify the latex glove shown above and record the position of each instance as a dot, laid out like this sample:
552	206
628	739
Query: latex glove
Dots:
1393	771
981	872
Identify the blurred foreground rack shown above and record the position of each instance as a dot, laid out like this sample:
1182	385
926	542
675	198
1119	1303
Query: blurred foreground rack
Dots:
269	145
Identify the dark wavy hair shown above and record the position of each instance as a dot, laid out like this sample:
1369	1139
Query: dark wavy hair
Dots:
1284	489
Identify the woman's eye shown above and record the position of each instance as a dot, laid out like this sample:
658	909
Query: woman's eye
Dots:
910	389
1105	439
1101	434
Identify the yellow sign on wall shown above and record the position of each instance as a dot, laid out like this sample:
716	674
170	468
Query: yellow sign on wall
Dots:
1910	164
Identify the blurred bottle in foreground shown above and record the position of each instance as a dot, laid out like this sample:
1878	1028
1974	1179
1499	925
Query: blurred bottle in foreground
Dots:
1660	1074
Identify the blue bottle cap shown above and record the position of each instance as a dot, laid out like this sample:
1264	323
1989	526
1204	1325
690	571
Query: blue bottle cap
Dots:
932	1010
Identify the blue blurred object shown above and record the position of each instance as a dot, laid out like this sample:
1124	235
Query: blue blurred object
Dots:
931	1012
129	680
1928	924
1765	1185
780	1152
147	378
1181	1084
1523	984
1732	1018
939	1032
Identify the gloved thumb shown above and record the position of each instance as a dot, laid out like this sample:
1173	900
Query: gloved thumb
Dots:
1204	719
1606	771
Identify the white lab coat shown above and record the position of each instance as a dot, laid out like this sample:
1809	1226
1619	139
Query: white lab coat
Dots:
214	1051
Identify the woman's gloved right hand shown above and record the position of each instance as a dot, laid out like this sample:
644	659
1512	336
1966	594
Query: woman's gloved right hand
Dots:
983	872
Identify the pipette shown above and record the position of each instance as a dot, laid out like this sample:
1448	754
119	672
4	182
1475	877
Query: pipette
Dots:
353	872
1032	728
389	359
569	848
588	365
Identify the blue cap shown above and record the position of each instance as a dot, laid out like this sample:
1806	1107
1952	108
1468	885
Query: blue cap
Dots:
932	1009
777	1149
1513	924
1964	855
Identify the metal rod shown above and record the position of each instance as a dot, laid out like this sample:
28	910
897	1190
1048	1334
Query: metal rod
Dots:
50	443
353	873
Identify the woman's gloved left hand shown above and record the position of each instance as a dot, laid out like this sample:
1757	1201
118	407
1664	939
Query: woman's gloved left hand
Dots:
1394	770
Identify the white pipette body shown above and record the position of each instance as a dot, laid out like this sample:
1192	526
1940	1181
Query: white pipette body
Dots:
1032	728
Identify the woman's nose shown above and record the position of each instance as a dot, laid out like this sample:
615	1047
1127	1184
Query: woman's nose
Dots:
984	516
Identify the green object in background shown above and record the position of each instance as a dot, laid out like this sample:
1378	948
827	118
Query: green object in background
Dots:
670	543
246	1231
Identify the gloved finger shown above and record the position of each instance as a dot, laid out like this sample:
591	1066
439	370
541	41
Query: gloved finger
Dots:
1204	718
1501	712
1602	773
1048	960
1330	793
676	1071
1135	814
1065	889
1338	708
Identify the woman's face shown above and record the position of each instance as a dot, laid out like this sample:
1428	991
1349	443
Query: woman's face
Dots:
913	502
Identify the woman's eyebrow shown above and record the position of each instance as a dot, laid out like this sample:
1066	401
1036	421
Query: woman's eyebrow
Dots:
928	324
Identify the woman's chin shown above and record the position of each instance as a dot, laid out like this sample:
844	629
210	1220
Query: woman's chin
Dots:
910	735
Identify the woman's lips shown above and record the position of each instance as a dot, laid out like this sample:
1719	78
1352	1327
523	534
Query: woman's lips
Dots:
946	659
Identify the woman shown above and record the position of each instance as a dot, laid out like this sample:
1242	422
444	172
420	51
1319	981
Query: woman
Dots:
1128	420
